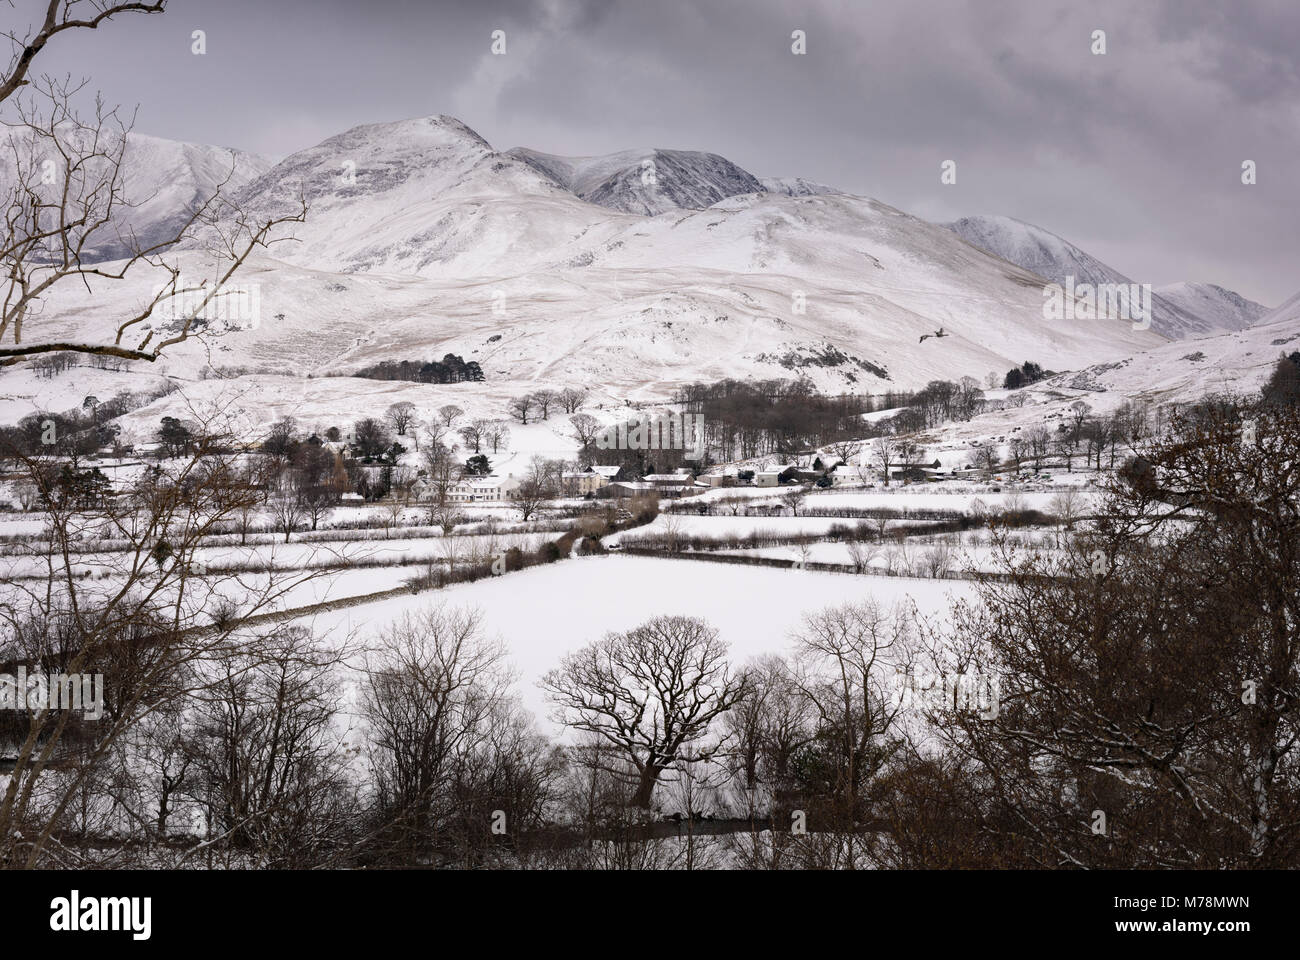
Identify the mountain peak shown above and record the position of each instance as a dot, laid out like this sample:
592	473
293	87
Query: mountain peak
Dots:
648	182
437	128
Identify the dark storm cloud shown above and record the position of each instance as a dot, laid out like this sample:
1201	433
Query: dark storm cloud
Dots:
1135	156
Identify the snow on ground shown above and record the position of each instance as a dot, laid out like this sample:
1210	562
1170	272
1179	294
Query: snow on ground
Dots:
299	556
23	392
923	498
545	612
687	525
946	496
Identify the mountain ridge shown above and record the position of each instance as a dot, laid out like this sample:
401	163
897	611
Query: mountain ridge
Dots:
1179	311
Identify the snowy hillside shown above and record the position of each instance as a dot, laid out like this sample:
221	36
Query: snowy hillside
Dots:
1179	310
422	240
645	182
795	186
163	182
1236	362
682	179
1287	311
425	196
1226	309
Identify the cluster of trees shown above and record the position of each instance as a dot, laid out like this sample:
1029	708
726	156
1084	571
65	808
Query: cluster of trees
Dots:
1148	715
1025	374
783	417
1283	386
451	369
540	403
52	365
1099	440
939	401
83	431
61	434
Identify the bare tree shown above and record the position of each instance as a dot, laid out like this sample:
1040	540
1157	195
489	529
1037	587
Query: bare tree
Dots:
521	407
572	399
1018	448
268	764
1079	414
844	451
652	693
794	498
1040	445
432	683
543	400
770	729
1067	506
449	414
585	429
864	469
401	415
443	473
886	453
538	485
148	624
63	205
1067	446
28	496
472	434
434	435
496	433
986	458
1147	713
288	512
850	657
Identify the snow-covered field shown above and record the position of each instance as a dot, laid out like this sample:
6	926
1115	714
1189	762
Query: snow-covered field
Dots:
544	612
302	556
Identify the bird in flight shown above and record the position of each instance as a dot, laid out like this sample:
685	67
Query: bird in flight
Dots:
927	336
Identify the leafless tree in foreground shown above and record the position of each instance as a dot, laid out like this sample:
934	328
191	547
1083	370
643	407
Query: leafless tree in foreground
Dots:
63	199
436	691
1149	712
143	611
653	693
268	758
848	660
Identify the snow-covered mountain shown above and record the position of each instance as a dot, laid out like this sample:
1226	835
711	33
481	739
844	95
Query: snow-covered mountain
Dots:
795	186
163	183
646	182
1224	308
427	196
656	181
422	240
1290	310
1178	311
1239	361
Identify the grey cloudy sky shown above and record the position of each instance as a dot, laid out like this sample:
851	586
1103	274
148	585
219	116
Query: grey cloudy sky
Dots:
1135	156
